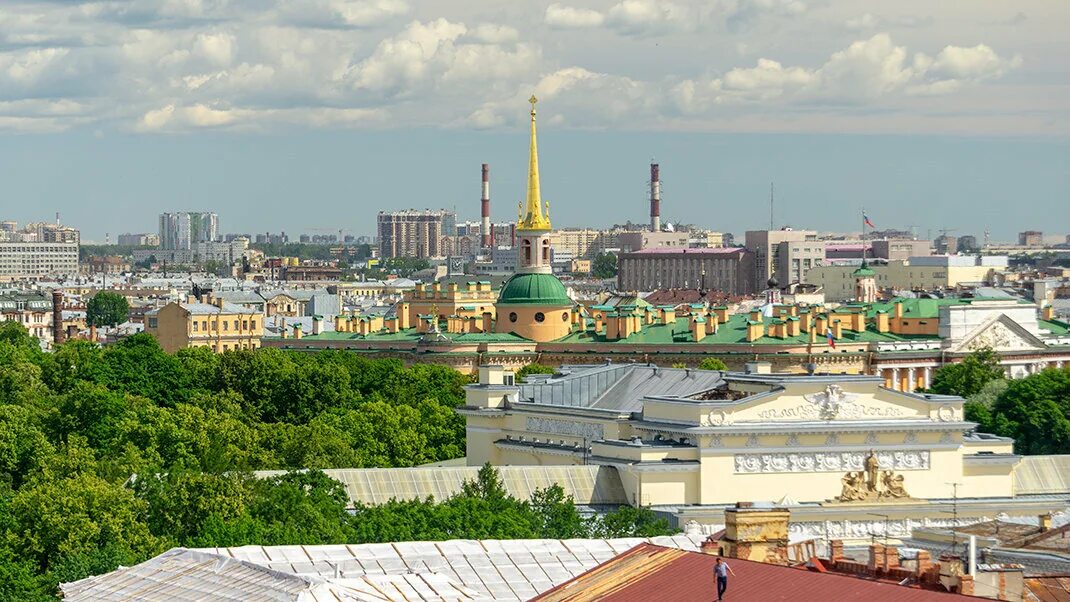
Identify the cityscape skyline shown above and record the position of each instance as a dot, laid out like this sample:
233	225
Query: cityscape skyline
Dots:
594	178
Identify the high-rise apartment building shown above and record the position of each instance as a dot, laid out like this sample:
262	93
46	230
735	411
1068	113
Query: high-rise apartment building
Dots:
415	233
180	231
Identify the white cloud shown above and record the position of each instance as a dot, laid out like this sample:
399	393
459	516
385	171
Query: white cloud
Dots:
188	65
651	17
567	17
865	72
439	53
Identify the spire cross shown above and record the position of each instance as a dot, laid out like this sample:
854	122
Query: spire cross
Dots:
533	100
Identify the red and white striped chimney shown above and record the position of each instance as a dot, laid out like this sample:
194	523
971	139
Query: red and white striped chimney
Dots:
485	228
655	198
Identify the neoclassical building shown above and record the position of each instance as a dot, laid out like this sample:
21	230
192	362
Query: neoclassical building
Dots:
839	450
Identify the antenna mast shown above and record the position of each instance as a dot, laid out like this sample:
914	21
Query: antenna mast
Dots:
770	205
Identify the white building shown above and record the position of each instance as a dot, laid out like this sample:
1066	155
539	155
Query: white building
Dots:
34	260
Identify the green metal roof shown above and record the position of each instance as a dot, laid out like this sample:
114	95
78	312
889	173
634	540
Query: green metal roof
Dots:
534	289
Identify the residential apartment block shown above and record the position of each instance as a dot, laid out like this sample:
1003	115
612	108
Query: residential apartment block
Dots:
414	233
182	230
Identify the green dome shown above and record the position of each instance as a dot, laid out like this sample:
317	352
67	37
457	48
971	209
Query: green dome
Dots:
534	289
864	271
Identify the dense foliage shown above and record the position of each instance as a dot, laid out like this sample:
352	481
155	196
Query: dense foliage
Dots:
111	455
1034	411
604	266
106	309
969	376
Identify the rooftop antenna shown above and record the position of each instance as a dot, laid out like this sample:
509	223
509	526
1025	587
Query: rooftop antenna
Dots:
770	205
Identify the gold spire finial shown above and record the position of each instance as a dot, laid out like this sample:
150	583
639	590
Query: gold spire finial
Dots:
533	218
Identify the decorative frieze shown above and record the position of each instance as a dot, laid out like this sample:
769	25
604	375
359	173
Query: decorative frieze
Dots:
572	428
829	461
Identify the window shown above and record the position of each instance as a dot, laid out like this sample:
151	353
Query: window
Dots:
226	325
564	317
512	316
235	325
539	316
204	325
508	379
195	326
245	324
252	324
225	348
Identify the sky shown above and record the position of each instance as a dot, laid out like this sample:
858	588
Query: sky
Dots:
312	115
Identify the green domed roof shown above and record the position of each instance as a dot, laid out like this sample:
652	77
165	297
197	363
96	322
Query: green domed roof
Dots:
534	289
864	271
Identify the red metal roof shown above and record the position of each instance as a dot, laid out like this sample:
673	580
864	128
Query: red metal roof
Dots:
650	572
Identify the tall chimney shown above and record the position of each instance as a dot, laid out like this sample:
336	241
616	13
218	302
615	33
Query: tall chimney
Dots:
58	334
488	236
655	198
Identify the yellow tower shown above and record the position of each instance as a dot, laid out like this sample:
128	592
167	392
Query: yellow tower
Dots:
534	303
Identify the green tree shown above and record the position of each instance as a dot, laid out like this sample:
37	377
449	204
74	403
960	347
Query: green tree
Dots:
1035	411
968	377
523	373
712	363
106	309
604	266
627	521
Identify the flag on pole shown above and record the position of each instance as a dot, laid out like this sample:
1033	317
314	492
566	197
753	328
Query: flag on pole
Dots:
831	339
865	219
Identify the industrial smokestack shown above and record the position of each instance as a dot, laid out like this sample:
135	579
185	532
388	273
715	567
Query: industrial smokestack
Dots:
488	236
58	335
655	198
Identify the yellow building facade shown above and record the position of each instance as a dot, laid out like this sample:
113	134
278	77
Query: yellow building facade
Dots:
705	440
838	281
220	326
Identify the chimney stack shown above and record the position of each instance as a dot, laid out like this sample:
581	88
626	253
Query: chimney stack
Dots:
485	228
655	198
58	334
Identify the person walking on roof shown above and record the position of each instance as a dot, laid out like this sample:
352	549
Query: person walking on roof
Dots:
721	571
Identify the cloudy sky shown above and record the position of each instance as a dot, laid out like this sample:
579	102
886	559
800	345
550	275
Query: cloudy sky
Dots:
302	114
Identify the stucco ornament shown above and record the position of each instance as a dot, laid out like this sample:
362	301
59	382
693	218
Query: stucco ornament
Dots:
830	401
871	484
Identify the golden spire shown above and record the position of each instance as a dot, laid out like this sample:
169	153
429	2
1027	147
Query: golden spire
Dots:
533	218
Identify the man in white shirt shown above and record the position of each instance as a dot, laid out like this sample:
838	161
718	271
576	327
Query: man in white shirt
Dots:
721	571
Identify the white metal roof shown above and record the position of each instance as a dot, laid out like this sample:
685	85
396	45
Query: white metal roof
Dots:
515	569
181	574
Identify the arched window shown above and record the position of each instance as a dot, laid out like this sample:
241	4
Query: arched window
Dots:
546	251
527	251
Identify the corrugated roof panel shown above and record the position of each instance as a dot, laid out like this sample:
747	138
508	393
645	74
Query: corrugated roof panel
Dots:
1042	474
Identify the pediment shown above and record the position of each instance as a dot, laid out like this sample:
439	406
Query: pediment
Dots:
830	403
1000	333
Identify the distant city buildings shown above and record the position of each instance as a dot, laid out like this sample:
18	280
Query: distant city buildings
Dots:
932	273
778	255
181	231
420	234
277	239
723	269
139	240
1031	238
38	251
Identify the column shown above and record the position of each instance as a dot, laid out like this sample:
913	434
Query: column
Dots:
912	379
927	375
896	384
